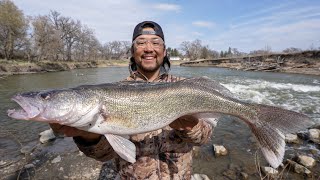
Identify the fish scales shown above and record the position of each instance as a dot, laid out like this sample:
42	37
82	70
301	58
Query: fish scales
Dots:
137	105
127	108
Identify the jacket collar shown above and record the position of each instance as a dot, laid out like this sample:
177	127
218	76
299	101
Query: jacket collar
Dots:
139	76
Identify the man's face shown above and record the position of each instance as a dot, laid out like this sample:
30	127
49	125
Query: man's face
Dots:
148	56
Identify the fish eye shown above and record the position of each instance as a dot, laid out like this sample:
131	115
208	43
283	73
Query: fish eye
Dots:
45	95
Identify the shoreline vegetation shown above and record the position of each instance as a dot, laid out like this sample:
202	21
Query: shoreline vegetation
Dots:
14	67
306	62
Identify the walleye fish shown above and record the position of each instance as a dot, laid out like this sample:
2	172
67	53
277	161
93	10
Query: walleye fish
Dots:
126	108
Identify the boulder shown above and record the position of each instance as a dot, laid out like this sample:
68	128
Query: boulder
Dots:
56	160
314	135
292	138
219	150
307	161
298	168
270	172
27	149
46	136
27	166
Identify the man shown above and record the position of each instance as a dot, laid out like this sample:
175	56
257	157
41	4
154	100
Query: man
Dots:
162	154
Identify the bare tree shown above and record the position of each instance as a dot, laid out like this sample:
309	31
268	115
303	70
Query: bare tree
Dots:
68	30
185	47
13	28
292	50
44	37
116	50
87	47
192	49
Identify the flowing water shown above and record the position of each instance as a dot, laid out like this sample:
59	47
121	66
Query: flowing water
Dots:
291	91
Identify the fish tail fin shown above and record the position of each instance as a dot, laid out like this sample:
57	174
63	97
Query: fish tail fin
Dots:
270	128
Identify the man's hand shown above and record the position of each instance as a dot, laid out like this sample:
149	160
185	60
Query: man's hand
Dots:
184	123
74	132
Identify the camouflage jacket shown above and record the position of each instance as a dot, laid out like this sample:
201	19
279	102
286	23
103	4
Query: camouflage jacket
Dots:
162	154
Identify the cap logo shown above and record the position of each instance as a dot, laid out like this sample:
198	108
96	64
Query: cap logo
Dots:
148	32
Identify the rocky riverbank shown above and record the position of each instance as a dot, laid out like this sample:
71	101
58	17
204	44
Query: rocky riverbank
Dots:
307	62
24	67
59	158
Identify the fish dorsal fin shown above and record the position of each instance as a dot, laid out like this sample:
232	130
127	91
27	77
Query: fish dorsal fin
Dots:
123	147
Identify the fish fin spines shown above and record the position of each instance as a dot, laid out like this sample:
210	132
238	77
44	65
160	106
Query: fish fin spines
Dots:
286	121
270	126
271	141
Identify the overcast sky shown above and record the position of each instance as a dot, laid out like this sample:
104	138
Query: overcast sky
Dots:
244	24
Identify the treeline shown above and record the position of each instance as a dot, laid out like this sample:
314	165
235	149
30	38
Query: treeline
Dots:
52	37
56	37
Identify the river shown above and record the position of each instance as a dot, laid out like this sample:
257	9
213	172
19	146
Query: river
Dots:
291	91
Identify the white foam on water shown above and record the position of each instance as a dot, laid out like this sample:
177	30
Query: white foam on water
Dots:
297	97
258	84
315	81
246	93
295	87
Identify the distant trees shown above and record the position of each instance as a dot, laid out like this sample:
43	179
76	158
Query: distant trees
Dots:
232	52
116	50
195	50
292	50
13	29
265	51
52	37
56	37
173	52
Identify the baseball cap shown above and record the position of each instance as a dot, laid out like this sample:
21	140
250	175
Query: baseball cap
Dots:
138	30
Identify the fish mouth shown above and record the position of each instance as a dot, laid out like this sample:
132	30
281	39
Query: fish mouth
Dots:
27	111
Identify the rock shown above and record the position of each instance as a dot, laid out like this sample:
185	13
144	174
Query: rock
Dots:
56	160
196	151
27	166
244	175
269	171
2	163
231	174
315	135
314	151
26	149
46	136
298	168
307	161
304	135
219	150
81	153
199	177
292	138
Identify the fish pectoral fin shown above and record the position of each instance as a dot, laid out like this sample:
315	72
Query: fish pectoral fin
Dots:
123	147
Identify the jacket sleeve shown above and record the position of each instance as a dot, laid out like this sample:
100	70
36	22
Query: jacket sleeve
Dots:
101	151
199	134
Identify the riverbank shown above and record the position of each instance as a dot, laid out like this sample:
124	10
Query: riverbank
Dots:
61	159
24	67
307	62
